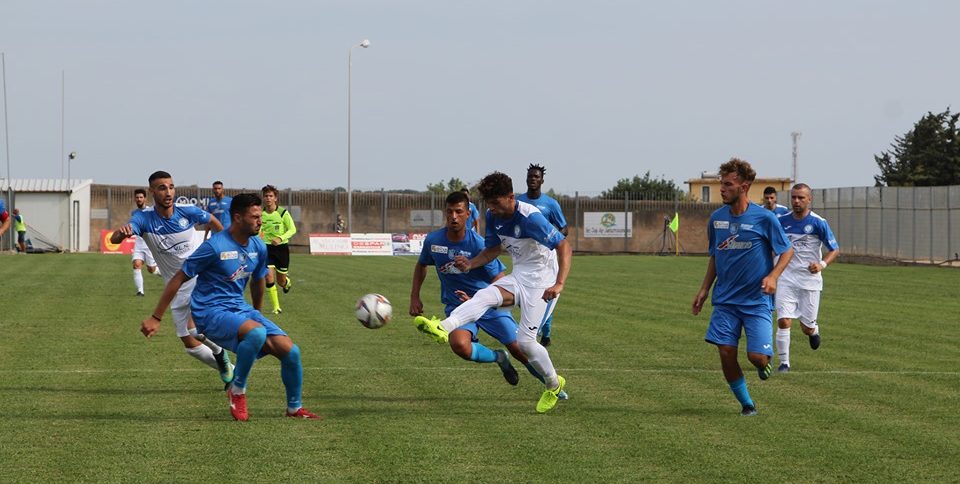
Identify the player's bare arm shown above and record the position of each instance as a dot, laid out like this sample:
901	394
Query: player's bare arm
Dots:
769	283
564	259
151	324
419	275
820	265
123	232
482	259
257	288
214	225
704	291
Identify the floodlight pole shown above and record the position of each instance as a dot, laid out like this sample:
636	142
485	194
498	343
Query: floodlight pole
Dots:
365	44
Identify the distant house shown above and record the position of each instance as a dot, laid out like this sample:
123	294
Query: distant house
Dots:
707	187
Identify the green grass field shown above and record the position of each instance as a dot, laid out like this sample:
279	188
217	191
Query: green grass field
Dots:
84	397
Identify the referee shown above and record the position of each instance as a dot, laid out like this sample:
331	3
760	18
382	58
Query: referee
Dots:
276	231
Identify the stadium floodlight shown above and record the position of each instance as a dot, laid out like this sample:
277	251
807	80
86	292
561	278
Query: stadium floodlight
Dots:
365	43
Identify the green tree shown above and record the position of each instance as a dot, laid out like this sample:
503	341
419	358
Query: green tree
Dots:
442	188
645	188
927	155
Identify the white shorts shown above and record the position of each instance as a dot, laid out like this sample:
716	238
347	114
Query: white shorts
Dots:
533	309
142	252
797	303
180	308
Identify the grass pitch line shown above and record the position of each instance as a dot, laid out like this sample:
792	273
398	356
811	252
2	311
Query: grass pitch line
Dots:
106	371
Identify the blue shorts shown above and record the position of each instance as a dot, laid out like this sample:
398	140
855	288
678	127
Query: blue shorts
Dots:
727	322
496	323
222	325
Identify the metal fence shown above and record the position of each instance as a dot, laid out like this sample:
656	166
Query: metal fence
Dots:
911	224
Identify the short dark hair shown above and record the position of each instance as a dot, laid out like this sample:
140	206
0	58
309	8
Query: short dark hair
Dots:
540	168
243	201
157	175
801	186
769	190
270	188
140	191
458	197
495	185
744	171
218	182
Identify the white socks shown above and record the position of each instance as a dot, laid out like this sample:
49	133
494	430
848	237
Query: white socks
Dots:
470	311
138	279
203	354
539	359
783	346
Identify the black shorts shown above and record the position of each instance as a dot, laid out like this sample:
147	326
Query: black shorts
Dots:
21	236
278	257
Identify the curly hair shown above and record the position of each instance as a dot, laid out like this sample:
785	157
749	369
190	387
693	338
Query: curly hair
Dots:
540	168
743	170
270	188
495	185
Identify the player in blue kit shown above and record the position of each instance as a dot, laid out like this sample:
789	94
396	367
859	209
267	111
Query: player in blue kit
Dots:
167	229
743	239
5	218
473	221
219	205
554	214
439	250
541	264
223	265
770	202
798	290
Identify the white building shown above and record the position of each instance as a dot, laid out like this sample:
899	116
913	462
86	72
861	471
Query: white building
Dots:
55	210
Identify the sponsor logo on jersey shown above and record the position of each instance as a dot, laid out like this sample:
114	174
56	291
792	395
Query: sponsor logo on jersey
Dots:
731	243
230	254
438	249
721	224
450	268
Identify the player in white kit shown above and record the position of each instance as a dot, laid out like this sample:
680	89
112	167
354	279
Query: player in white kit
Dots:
541	263
141	253
168	231
798	289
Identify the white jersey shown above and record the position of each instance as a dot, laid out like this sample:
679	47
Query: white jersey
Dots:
171	240
808	236
529	239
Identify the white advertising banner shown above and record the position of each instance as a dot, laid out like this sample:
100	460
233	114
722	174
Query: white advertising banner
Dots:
607	224
330	244
371	244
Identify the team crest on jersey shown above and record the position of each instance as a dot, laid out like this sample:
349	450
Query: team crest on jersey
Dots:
184	223
438	249
734	228
228	255
808	229
721	224
516	231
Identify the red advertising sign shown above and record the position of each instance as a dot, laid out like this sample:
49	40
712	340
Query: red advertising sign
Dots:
125	247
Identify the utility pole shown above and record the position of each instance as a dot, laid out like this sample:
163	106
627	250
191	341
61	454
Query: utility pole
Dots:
796	136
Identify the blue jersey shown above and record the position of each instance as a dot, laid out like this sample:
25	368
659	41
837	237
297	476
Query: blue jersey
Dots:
548	207
743	247
223	267
171	240
529	239
474	215
779	210
439	251
220	209
3	209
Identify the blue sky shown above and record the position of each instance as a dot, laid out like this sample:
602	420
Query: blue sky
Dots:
256	92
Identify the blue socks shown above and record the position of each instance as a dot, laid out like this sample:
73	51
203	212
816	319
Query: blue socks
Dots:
739	389
482	354
291	372
535	373
546	327
247	352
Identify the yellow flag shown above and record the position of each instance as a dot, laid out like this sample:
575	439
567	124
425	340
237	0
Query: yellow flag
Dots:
675	223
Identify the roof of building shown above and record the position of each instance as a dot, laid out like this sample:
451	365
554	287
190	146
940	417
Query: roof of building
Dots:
44	184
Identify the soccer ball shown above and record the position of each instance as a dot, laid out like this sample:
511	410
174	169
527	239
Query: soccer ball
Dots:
374	311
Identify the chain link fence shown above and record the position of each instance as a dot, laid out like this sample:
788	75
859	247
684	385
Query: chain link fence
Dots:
911	224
